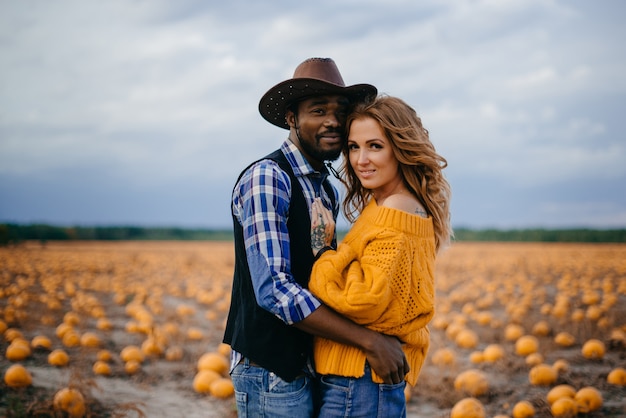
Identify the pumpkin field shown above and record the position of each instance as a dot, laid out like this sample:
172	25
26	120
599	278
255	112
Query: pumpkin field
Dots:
134	329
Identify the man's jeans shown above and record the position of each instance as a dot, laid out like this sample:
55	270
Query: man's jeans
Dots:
260	393
352	397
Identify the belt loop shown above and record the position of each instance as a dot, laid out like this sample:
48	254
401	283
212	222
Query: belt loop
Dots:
246	362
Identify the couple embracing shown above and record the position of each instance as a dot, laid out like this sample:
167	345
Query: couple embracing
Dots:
316	328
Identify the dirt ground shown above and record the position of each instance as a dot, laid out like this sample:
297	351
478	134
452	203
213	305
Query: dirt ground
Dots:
513	283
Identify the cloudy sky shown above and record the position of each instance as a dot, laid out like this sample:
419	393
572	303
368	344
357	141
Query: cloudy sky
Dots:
142	112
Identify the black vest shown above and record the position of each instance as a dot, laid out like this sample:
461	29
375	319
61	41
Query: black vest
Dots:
251	330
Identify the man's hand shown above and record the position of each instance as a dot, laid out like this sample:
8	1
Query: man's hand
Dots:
387	359
383	352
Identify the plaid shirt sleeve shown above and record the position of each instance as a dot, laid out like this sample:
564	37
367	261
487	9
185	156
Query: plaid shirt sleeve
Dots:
261	204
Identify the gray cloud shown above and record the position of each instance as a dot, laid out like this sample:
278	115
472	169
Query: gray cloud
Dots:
144	112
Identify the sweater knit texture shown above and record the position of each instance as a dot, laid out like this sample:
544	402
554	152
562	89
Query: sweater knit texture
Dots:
381	276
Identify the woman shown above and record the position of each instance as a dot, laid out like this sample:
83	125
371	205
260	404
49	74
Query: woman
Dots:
382	274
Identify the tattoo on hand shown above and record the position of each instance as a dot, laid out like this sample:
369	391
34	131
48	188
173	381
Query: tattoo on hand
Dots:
318	238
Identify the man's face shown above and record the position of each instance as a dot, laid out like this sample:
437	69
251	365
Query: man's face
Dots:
320	123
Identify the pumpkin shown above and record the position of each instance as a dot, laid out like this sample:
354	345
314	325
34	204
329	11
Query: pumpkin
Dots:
564	407
70	401
102	368
18	350
104	324
466	338
62	329
468	408
104	355
578	315
224	349
16	376
71	318
534	359
593	349
477	357
542	375
443	357
174	353
213	361
90	339
472	382
560	391
523	409
151	347
132	366
541	329
588	399
493	353
513	332
12	333
195	334
222	388
594	313
132	352
71	338
58	358
41	341
617	377
203	379
561	366
564	339
526	344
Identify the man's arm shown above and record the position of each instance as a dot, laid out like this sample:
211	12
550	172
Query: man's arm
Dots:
383	352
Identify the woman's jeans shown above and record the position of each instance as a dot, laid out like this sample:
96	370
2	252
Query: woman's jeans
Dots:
260	393
352	397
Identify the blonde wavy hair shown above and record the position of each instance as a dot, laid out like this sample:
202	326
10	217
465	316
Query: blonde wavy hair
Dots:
420	165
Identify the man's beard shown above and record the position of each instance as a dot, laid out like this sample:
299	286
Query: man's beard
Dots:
319	154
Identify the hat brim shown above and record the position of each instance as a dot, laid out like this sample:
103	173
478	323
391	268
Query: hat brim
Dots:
274	103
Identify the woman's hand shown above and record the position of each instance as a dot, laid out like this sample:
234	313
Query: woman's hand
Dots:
322	226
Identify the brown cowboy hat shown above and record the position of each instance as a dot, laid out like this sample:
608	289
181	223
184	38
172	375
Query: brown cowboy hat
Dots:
314	77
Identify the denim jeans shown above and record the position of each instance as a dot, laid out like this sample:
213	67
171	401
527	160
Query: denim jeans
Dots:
260	393
360	397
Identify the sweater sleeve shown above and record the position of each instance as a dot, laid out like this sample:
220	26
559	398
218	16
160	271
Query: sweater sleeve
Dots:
357	287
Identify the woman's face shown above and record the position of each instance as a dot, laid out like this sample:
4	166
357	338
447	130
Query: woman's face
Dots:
371	157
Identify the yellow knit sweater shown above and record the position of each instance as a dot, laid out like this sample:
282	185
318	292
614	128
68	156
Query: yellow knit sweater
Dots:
382	277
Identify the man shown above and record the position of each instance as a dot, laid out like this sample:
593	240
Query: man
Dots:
273	316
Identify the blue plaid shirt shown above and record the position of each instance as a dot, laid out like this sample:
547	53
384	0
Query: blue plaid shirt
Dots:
261	205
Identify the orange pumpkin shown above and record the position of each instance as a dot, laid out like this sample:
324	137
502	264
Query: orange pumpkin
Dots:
17	376
617	377
132	352
564	407
542	375
222	388
70	401
58	358
472	382
565	339
588	399
526	344
560	391
203	379
102	368
41	341
523	409
213	361
468	408
593	349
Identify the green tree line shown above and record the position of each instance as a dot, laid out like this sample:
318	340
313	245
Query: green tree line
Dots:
16	233
542	235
